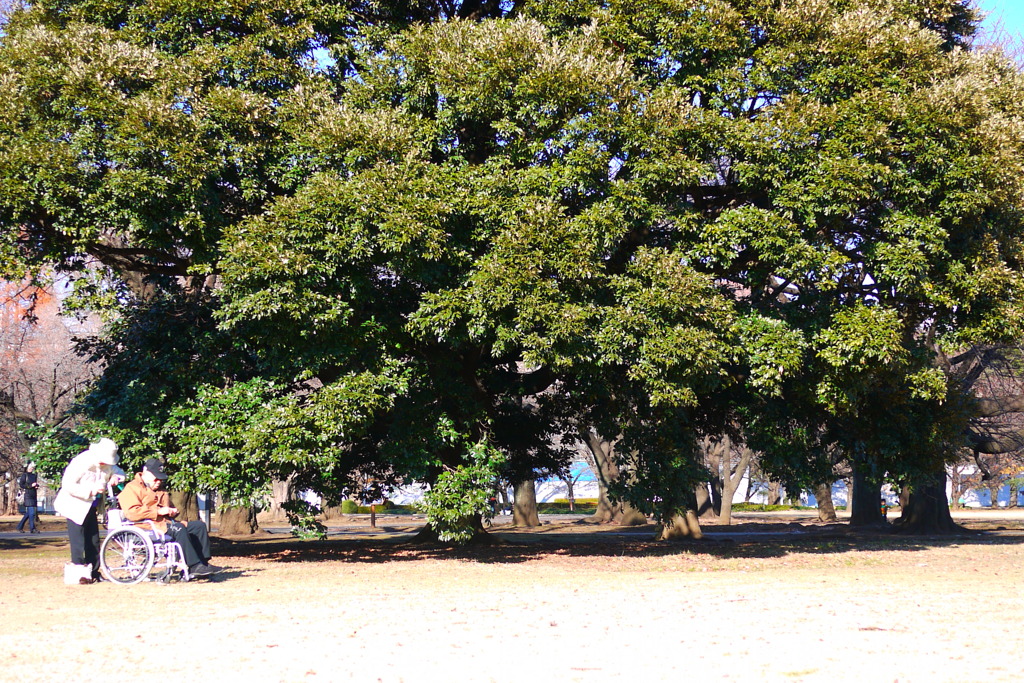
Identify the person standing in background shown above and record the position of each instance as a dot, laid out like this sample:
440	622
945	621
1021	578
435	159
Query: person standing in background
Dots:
29	483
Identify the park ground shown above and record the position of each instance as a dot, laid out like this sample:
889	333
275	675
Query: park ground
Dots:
775	598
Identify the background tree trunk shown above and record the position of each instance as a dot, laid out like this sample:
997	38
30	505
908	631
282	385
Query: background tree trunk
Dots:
9	504
331	512
503	500
524	507
865	500
282	492
927	510
731	478
570	494
237	520
826	509
774	493
187	504
607	471
904	497
955	484
993	494
630	516
716	457
609	512
684	526
705	509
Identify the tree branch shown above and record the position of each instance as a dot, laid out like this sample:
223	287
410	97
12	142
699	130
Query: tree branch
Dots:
992	443
1000	405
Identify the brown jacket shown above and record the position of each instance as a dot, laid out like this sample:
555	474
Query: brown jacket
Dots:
139	503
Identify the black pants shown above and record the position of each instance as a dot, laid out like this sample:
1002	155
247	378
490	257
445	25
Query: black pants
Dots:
194	540
85	541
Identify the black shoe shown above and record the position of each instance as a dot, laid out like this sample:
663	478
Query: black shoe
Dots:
34	531
21	531
205	570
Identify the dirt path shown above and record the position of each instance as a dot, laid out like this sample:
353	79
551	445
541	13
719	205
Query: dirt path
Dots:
564	604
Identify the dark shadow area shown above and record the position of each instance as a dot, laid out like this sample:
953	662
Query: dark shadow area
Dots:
27	542
521	547
576	539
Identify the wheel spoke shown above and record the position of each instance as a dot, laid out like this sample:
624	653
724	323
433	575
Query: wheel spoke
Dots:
126	557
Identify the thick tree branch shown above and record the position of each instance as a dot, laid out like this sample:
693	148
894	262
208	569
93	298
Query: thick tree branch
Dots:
996	443
1000	405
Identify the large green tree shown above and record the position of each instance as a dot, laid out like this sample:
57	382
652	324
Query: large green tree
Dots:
425	239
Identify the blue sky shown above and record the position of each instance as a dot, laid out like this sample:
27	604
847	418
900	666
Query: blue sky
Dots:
1010	13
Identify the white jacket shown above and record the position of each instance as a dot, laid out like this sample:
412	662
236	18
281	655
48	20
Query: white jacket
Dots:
86	477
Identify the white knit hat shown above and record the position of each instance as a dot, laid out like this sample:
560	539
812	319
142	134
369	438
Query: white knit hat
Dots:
105	451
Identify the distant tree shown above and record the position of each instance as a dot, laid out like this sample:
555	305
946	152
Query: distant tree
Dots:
728	463
41	374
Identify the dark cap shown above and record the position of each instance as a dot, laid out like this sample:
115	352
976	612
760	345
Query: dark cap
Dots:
155	467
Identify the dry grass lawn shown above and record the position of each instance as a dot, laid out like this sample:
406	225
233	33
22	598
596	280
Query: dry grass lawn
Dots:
566	603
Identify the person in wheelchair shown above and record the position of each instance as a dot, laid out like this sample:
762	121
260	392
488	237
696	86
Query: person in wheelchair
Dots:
145	502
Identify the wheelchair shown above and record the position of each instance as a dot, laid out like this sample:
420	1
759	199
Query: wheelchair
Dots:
130	554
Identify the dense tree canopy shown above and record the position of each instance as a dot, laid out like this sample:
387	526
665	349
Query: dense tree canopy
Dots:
425	240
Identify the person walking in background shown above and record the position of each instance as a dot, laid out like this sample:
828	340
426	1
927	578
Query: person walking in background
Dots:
84	481
29	483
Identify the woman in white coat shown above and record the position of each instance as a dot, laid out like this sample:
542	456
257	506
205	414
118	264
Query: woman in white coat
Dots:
84	481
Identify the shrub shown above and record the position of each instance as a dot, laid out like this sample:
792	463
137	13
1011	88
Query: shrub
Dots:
302	517
349	507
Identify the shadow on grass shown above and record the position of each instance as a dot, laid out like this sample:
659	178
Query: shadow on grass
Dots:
520	547
506	545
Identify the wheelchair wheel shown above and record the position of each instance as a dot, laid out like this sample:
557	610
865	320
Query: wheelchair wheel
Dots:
126	556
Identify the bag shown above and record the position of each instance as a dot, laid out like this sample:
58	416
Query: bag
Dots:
21	497
77	574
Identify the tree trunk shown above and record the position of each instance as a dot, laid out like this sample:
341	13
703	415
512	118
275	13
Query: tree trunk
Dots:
904	496
569	493
524	507
993	495
954	481
684	526
237	520
705	510
187	504
826	509
503	500
927	510
10	497
630	516
282	492
731	478
716	495
866	500
774	493
717	458
609	512
607	472
1014	496
330	512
